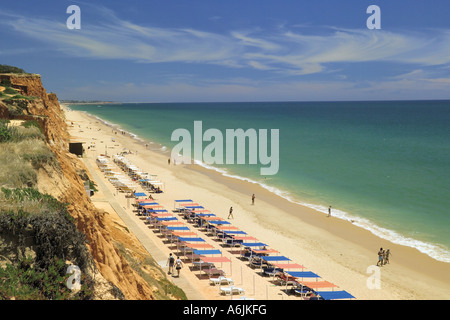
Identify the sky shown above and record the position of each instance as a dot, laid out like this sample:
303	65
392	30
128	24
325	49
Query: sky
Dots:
232	50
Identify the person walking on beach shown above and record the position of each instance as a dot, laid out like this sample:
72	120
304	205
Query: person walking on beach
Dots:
230	213
170	262
178	266
380	257
253	199
386	256
329	211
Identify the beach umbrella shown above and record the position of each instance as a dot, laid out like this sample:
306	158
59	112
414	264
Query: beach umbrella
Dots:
333	295
204	252
140	194
178	228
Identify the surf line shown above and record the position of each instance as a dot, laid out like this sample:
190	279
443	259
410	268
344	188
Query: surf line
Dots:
233	151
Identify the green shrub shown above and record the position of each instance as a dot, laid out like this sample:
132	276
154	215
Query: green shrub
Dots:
16	107
93	186
19	97
28	131
28	214
5	133
10	90
21	133
5	83
4	68
25	282
22	155
32	123
37	152
14	171
21	197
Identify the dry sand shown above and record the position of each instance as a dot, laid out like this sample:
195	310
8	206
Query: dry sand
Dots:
334	249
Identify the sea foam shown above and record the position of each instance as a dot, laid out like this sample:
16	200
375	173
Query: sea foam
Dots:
433	250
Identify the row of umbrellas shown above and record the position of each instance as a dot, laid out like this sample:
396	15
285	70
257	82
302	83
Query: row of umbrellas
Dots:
283	266
203	254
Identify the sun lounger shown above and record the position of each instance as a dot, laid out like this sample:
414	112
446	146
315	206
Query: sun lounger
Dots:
231	242
286	279
213	271
271	271
256	262
200	264
221	280
302	291
246	256
231	290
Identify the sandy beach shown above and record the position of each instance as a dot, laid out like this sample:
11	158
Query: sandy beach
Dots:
336	250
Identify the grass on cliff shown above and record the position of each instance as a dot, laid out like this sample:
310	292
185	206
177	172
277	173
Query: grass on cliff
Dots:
4	68
11	96
22	151
163	288
41	237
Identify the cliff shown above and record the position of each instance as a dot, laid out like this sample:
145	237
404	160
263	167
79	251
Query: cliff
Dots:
67	185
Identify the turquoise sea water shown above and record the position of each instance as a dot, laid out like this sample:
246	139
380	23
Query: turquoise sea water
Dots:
384	165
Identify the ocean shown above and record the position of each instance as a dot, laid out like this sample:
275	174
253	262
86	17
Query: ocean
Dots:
385	165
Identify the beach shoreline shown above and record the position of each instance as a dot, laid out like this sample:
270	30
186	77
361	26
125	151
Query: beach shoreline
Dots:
333	248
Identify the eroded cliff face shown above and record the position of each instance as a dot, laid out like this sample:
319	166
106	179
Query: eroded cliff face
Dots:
66	185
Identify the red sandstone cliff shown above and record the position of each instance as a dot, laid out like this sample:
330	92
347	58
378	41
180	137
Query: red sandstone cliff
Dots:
67	186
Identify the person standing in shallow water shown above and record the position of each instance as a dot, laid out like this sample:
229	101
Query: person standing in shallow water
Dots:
329	211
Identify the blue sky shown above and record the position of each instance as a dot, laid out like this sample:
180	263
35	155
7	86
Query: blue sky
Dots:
233	50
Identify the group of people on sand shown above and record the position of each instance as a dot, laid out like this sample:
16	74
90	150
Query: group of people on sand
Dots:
383	257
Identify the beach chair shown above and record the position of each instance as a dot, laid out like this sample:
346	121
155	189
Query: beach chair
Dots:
272	272
256	262
228	291
200	264
246	255
231	242
303	291
214	271
221	280
286	279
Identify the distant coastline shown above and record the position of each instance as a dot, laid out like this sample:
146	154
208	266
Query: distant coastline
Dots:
88	102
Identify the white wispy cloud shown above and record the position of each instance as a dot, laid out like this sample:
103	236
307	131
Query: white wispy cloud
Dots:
280	50
120	39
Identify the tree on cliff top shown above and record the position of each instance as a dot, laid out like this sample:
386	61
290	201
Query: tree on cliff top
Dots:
10	69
